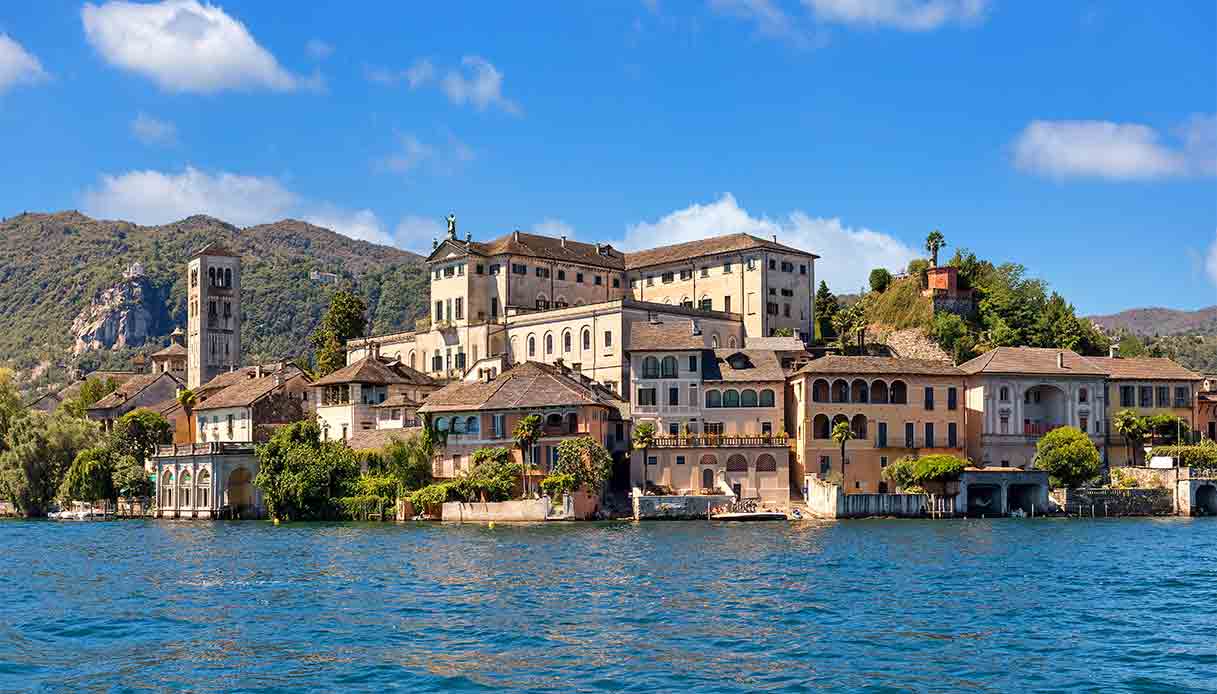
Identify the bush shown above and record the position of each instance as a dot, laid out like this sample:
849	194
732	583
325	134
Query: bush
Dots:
1068	456
1203	455
880	279
558	484
938	468
900	473
1123	480
433	495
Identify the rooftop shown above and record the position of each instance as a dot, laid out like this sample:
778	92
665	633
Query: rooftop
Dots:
371	369
173	350
244	393
373	439
715	245
1145	368
835	364
742	365
667	335
1032	361
129	389
527	385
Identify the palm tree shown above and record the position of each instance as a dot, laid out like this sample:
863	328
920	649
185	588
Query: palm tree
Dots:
527	432
933	243
643	437
1132	428
187	399
842	433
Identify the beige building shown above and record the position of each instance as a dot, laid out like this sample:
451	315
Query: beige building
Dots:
1148	387
250	408
895	408
361	396
172	359
213	310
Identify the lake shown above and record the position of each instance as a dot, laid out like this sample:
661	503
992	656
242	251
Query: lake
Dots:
1007	605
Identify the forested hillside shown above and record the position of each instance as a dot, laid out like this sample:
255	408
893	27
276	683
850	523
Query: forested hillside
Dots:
53	265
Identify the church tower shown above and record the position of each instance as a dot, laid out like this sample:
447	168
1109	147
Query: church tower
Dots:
213	314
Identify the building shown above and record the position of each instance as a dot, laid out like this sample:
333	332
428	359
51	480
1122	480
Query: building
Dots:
1148	387
351	399
718	414
249	409
484	414
142	390
213	309
1018	394
207	480
172	359
895	408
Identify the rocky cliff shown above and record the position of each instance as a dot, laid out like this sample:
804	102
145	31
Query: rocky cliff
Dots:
124	315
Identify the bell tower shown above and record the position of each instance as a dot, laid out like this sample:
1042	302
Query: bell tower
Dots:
213	310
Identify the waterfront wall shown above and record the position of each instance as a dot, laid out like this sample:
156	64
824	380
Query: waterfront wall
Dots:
826	500
1144	501
524	510
677	507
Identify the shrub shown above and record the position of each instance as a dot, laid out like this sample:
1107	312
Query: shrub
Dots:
558	484
1203	455
880	279
1123	480
1068	456
938	468
900	473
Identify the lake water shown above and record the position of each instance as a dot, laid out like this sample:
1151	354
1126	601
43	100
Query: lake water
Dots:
870	606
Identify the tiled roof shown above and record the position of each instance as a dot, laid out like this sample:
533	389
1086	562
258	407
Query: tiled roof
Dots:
1157	368
247	392
548	247
527	385
374	439
397	400
779	344
1038	361
129	389
166	407
173	350
666	335
879	365
703	247
372	370
753	365
215	249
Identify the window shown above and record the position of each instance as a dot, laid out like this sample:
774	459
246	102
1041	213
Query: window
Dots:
1084	422
706	304
705	272
715	428
579	277
929	434
771	308
673	429
680	460
494	307
748	398
1164	396
650	280
767	398
608	338
542	303
727	267
650	367
587	338
908	435
693	363
651	460
646	396
953	434
1183	396
731	398
519	269
666	278
532	346
541	272
714	399
673	396
1005	423
1147	396
597	280
773	264
481	269
825	464
460	308
882	461
1128	396
881	439
549	343
929	398
1004	394
460	270
767	428
562	274
802	269
686	274
494	269
787	266
1083	395
669	367
786	310
616	283
566	341
952	399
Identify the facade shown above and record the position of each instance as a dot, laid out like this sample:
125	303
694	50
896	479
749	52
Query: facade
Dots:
1148	387
895	408
1018	394
248	410
144	390
485	414
350	399
213	310
208	480
172	359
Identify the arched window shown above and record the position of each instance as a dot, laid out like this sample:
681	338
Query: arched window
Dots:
709	459
714	341
766	463
587	338
1004	394
532	345
203	489
167	489
731	343
560	302
767	398
707	474
878	392
748	398
549	343
899	393
820	427
837	420
819	391
650	367
1083	395
516	355
458	425
412	365
840	391
858	425
669	367
859	392
566	341
553	421
228	278
184	483
471	425
441	424
737	463
731	398
714	398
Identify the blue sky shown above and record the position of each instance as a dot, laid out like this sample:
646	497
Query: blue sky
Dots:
1079	139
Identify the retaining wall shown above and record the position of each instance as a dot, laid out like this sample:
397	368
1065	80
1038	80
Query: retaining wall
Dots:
500	511
1141	501
826	500
677	507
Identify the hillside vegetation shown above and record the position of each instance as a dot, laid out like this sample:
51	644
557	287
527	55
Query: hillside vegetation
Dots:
51	265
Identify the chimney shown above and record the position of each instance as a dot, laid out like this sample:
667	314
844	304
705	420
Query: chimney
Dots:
1113	352
515	235
775	238
1060	360
564	242
374	350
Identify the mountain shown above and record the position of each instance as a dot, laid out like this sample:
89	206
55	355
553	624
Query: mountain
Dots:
1161	321
65	268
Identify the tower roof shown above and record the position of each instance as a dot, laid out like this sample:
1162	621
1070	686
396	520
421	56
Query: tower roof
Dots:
216	249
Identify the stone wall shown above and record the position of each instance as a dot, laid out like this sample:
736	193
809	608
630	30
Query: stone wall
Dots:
526	510
1116	502
826	500
677	507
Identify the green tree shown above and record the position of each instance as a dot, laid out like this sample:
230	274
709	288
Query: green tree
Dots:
345	319
39	449
850	325
303	477
880	279
131	480
410	460
1068	456
90	477
953	334
187	399
1133	428
826	306
842	434
93	389
526	434
783	332
1131	347
11	408
642	438
933	243
138	433
586	460
901	474
493	476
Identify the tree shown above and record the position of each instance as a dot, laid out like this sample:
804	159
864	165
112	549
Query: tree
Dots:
880	279
492	478
826	307
138	433
901	474
40	448
588	462
131	481
1133	428
409	460
187	399
303	477
526	433
93	389
345	319
11	408
850	324
1131	347
642	438
1068	456
933	243
842	434
90	477
783	332
951	333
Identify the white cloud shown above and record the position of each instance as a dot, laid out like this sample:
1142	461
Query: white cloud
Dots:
153	131
482	86
909	15
554	227
155	197
357	224
1210	260
415	233
770	19
1116	151
420	73
848	253
413	154
318	49
185	46
17	65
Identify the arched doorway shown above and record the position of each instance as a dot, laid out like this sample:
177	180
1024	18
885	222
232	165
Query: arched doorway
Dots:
239	493
707	478
1206	500
1044	409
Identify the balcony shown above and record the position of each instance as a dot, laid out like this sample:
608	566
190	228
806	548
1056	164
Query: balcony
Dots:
670	410
717	441
208	448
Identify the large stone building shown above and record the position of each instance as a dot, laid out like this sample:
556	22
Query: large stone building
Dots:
1148	387
213	314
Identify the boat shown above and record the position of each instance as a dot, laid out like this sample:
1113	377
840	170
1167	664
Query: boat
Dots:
80	512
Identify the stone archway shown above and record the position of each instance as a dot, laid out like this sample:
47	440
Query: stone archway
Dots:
1206	501
239	492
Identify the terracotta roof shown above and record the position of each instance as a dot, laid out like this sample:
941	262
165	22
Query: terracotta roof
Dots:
1158	368
664	336
703	247
215	249
741	365
166	407
397	400
547	247
119	377
173	350
129	389
373	439
779	344
372	370
878	365
1038	361
528	385
247	392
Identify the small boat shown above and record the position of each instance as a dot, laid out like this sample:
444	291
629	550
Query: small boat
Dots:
750	516
80	513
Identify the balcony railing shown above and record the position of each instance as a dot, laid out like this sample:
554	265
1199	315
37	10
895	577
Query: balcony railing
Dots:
715	441
207	448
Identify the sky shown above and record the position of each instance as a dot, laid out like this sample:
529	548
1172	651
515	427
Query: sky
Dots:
1076	138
